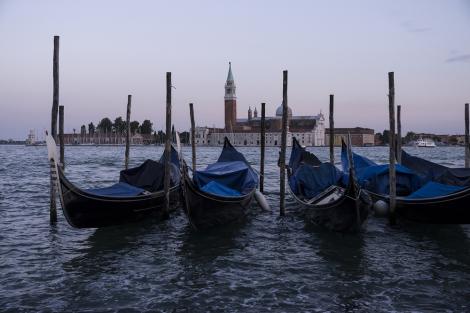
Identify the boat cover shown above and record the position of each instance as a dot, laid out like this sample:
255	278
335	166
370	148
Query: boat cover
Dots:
309	175
428	171
433	190
117	190
375	178
299	156
219	189
150	174
235	175
309	180
231	170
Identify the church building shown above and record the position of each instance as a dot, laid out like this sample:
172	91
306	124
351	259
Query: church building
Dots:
309	130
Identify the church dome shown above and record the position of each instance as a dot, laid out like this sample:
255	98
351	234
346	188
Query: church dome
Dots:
279	111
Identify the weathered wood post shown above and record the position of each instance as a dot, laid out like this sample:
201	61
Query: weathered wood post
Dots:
467	143
282	163
352	178
332	130
398	139
61	136
193	135
262	144
128	132
166	185
392	142
55	109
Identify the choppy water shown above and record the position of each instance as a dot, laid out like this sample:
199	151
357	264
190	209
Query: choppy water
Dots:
264	263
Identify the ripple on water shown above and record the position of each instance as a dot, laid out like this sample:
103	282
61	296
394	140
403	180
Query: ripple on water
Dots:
261	263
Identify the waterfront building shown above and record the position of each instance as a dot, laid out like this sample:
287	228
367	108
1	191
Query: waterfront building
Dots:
309	130
359	136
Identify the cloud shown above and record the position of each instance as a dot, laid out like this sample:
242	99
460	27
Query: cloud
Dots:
459	58
413	28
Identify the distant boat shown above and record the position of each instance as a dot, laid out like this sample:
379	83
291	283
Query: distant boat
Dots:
32	139
425	143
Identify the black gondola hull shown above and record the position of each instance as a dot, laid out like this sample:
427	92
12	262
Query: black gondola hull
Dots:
84	210
450	209
207	211
340	215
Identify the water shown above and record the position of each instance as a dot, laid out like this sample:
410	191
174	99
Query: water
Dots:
264	263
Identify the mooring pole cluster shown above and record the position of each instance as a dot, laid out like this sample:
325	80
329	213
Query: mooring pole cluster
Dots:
54	113
395	139
61	136
399	134
128	132
193	135
467	143
282	161
262	145
392	142
166	185
332	130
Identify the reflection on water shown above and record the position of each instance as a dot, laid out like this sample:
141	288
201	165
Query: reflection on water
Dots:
261	263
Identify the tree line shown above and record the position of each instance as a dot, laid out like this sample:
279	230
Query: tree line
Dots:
119	126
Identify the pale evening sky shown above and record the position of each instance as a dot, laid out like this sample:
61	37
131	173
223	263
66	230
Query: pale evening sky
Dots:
109	49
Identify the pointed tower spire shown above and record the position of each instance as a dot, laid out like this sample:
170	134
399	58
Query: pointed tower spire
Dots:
230	85
230	75
230	101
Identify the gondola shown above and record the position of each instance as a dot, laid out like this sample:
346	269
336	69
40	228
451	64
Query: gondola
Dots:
426	192
318	187
221	193
137	195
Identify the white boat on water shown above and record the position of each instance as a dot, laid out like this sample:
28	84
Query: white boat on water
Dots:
425	143
32	139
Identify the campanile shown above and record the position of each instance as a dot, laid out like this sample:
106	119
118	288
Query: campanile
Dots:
230	101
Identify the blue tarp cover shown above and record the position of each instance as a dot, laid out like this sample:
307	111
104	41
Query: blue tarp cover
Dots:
117	190
309	180
428	170
375	178
236	175
219	189
432	190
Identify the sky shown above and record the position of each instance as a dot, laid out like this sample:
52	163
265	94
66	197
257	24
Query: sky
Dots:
109	49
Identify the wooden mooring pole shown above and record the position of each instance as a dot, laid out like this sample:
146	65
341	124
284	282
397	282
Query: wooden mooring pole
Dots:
168	135
128	132
392	142
55	109
332	130
282	163
61	136
467	143
262	145
193	135
398	139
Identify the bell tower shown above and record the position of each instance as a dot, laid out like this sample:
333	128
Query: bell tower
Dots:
230	101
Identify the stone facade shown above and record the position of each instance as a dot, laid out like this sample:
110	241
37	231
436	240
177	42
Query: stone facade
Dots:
359	136
309	130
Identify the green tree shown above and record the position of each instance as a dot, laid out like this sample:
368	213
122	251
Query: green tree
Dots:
105	125
410	136
146	127
119	125
91	128
161	136
134	127
83	130
184	136
385	135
